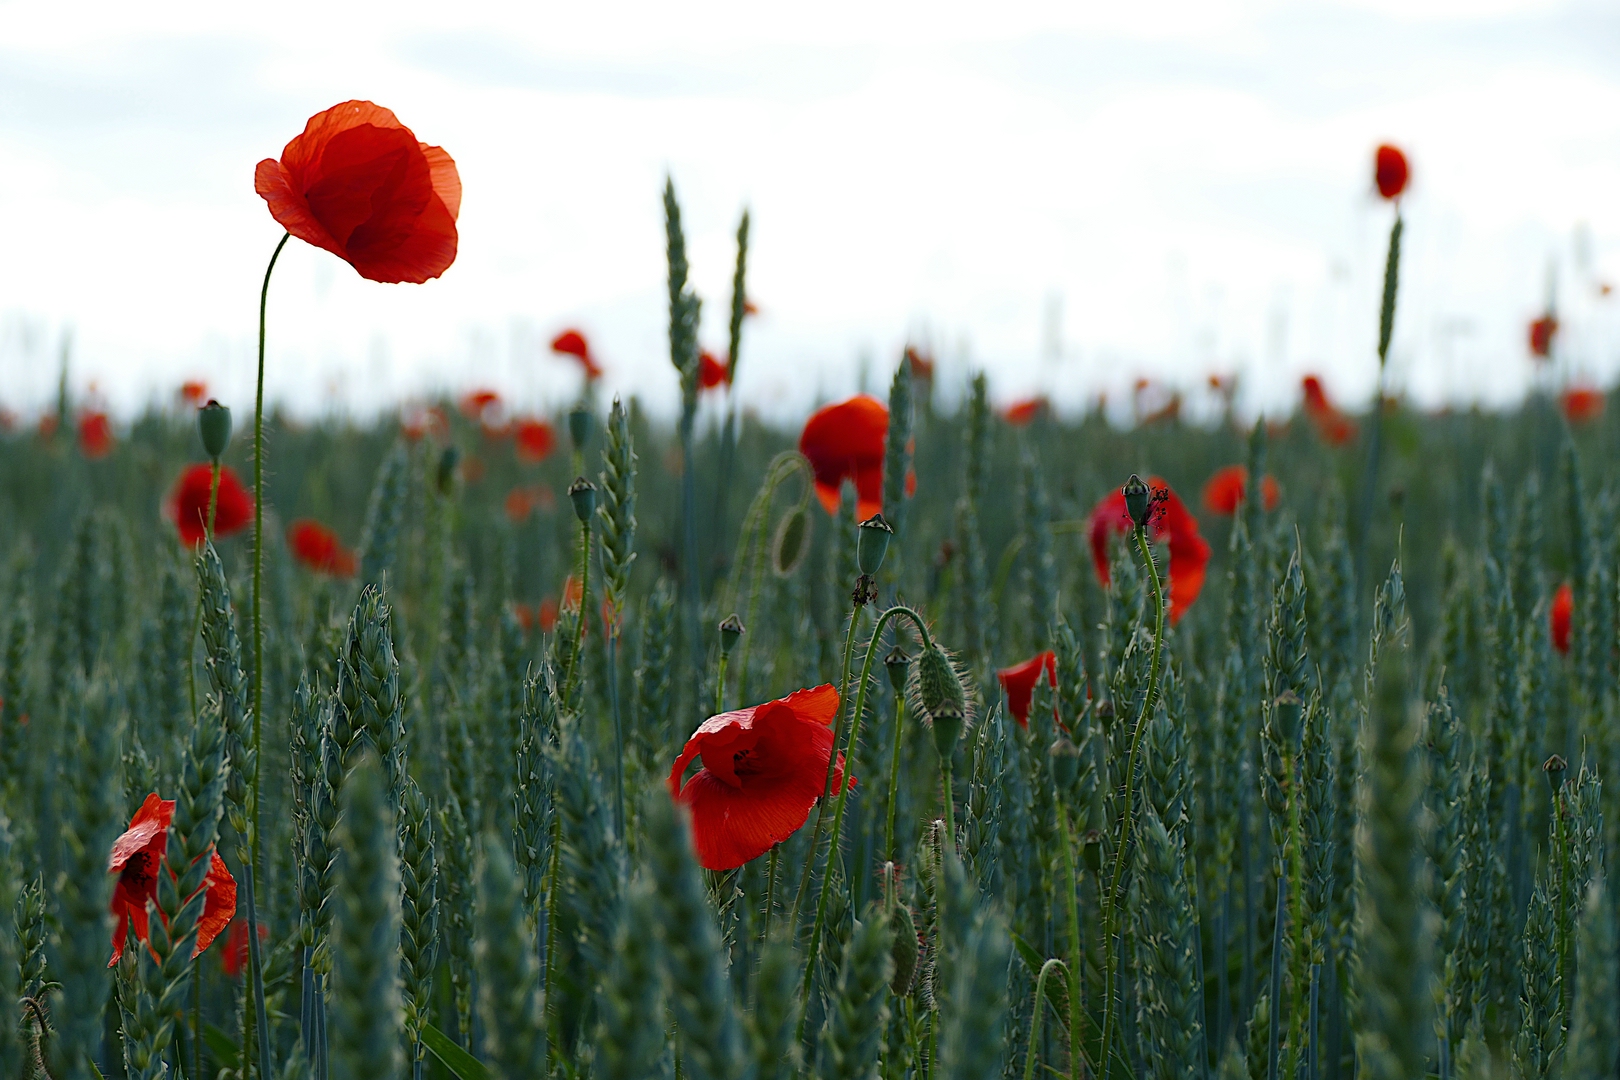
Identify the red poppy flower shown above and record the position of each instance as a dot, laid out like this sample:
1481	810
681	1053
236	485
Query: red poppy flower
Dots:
187	505
358	184
193	392
1228	487
845	442
1172	523
95	435
319	548
519	505
475	403
764	767
1582	404
1019	682
1333	426
234	956
1020	413
571	593
1542	332
572	343
137	857
548	615
712	371
922	365
1559	616
534	439
1390	172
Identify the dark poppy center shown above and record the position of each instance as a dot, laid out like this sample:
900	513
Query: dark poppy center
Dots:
139	874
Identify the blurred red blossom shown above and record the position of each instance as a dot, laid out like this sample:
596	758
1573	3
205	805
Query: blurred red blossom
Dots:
534	439
318	548
572	343
712	371
1334	427
1559	617
1022	413
193	392
95	435
234	956
1390	172
1228	486
187	504
1582	404
1542	332
1019	683
1173	523
845	442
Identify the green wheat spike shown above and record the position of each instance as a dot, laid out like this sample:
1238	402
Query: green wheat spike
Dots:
368	688
897	452
774	1053
419	923
859	1007
457	912
1448	779
1169	1027
367	1031
627	1046
1040	564
223	661
1541	1021
509	994
617	512
532	798
1594	1033
973	1038
655	721
385	517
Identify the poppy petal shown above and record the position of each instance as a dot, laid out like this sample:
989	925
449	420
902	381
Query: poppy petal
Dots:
150	821
218	906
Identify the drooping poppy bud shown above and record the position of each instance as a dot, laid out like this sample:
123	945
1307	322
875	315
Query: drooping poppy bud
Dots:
1137	500
904	951
791	542
939	686
873	544
731	629
583	495
214	425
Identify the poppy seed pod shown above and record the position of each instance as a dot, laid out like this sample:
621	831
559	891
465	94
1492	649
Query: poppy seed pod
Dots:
947	728
731	628
1065	757
214	424
579	426
583	495
1554	768
939	687
873	544
1137	500
898	665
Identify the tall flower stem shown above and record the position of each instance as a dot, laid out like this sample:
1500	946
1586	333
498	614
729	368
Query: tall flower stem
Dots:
843	788
1071	889
720	686
1386	329
257	974
894	777
1036	1016
770	889
618	727
577	652
1110	897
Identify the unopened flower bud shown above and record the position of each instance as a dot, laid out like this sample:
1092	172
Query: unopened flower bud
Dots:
873	544
1137	500
938	685
579	426
214	424
583	495
947	728
730	630
1065	758
898	665
904	951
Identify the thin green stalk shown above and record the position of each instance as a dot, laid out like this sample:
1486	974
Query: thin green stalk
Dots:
843	793
720	687
213	500
1071	903
950	804
1110	899
577	652
770	890
1036	1015
551	924
826	787
256	963
894	778
618	728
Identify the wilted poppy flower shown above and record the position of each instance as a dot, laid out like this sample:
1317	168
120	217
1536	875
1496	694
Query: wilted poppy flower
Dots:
1542	332
1171	522
1390	172
1020	413
572	343
845	442
1333	426
95	435
234	956
187	505
1581	404
1224	490
534	439
319	548
764	767
712	371
1019	682
137	859
1559	616
193	392
358	184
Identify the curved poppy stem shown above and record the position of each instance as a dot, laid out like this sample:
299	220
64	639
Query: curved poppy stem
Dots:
843	788
258	619
1035	1017
1110	898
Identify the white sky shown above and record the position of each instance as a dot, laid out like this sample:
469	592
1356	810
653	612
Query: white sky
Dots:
1186	184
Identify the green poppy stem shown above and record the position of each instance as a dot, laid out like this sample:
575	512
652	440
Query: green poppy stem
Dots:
1035	1017
894	777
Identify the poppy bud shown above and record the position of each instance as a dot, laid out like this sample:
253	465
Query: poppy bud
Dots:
1091	853
730	630
214	424
790	543
448	460
947	728
872	544
898	664
1065	758
1137	500
579	426
583	495
904	950
1554	768
939	687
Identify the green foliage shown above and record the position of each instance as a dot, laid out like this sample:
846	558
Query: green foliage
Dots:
368	1036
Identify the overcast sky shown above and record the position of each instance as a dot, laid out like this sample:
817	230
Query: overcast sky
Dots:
1067	195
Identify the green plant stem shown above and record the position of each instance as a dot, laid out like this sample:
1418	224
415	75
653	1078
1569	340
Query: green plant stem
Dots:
196	1022
949	803
256	962
770	889
258	614
577	652
618	729
1036	1015
213	500
551	928
894	778
843	792
1071	904
1110	898
720	687
692	600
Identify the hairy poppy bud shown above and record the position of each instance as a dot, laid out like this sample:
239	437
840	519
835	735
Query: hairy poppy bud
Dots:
947	728
939	687
1554	768
214	424
873	544
1065	757
904	950
730	630
1137	500
898	665
448	460
579	426
583	495
791	542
